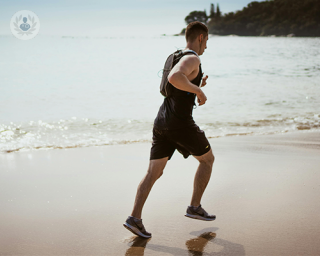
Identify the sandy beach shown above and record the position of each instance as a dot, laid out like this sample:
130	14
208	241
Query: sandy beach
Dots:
264	190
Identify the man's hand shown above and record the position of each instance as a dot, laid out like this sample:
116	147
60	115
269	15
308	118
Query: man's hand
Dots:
201	97
204	81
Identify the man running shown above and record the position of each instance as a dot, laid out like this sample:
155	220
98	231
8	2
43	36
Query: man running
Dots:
174	128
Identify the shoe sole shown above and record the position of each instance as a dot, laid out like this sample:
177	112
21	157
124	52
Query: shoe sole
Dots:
134	230
198	217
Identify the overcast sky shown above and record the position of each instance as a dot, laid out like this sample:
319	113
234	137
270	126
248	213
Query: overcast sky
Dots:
110	18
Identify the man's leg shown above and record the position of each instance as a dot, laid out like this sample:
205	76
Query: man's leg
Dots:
155	171
202	177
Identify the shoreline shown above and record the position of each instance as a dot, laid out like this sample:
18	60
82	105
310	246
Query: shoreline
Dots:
145	141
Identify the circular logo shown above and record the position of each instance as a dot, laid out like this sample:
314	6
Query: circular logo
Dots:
25	25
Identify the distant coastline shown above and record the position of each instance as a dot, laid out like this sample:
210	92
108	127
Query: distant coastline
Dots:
285	18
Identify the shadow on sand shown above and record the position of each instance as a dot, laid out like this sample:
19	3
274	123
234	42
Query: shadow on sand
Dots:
195	246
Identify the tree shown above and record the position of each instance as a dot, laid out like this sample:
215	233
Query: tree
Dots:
218	11
211	11
196	16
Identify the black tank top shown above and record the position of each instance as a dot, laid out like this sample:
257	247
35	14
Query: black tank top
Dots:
176	110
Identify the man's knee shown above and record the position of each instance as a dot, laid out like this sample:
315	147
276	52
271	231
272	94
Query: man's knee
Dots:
207	158
156	167
160	174
155	173
210	158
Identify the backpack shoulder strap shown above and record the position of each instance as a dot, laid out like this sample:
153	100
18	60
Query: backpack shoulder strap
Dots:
190	51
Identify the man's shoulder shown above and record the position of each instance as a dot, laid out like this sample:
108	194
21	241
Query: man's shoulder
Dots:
191	58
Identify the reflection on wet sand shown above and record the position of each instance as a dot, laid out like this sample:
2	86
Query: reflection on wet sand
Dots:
196	245
137	247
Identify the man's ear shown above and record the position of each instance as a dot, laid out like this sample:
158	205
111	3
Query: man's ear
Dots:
200	38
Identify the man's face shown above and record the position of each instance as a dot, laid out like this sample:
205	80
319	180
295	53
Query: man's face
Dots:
203	44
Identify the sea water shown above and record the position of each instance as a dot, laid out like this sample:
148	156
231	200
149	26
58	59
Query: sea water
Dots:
62	92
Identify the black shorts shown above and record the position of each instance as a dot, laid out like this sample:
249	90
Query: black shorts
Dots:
188	141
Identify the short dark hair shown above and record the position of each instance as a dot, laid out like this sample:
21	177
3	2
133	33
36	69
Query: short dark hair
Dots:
194	29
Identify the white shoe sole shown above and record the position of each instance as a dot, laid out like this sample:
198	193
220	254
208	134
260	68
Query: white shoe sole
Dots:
198	217
134	230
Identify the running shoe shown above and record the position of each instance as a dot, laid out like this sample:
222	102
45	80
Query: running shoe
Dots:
136	227
199	213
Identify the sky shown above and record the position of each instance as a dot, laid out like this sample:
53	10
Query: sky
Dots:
101	18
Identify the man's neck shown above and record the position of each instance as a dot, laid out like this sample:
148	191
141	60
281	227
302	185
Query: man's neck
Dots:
192	47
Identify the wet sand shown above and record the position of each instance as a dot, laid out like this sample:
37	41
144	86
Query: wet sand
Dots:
264	190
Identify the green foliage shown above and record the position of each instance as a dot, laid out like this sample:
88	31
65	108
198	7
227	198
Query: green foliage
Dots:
212	14
273	17
218	14
183	31
197	16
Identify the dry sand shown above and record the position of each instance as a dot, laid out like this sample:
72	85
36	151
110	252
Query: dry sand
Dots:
264	191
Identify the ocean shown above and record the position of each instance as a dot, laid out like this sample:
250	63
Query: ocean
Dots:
65	92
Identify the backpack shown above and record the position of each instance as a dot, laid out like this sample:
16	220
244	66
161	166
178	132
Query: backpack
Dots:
165	86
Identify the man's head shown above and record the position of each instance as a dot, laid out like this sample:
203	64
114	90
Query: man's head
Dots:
197	35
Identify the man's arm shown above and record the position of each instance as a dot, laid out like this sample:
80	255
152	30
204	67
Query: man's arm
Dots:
178	77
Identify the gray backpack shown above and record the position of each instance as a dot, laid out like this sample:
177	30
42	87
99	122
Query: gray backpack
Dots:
165	86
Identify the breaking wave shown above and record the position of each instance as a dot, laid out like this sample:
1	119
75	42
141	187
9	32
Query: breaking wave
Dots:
85	132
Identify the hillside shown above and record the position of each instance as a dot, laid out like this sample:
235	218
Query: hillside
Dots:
274	17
